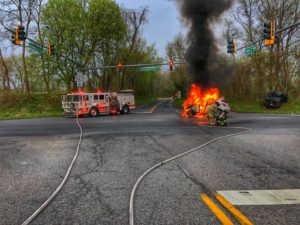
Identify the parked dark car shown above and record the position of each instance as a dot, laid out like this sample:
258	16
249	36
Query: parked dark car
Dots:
274	99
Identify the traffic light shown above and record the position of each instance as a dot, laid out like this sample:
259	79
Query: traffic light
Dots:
120	67
268	33
18	35
15	37
50	49
22	34
231	47
171	65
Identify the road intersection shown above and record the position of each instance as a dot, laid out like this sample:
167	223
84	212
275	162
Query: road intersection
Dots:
117	150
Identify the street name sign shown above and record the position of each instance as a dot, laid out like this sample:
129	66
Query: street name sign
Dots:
153	68
35	47
250	50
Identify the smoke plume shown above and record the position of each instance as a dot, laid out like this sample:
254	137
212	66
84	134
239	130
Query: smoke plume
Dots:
202	53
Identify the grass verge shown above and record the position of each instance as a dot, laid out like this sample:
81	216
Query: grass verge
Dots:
19	106
144	100
292	107
24	106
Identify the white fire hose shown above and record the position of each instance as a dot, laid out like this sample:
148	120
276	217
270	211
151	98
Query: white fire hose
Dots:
53	195
132	196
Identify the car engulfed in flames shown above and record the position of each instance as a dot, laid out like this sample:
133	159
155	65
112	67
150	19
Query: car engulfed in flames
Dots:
197	100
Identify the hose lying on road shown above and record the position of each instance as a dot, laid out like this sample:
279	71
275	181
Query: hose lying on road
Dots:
132	196
44	205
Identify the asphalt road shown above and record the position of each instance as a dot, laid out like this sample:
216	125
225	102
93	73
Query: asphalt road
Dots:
116	150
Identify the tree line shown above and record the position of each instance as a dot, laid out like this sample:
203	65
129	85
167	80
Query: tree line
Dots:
95	33
84	33
270	68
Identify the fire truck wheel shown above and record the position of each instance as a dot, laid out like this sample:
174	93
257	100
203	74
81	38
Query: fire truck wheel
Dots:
94	112
125	109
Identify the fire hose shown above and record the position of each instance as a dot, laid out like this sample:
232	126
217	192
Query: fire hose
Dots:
54	194
132	196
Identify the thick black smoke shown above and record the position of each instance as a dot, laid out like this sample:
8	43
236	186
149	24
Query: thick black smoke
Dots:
202	52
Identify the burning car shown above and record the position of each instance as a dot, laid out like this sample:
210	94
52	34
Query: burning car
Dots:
198	99
206	103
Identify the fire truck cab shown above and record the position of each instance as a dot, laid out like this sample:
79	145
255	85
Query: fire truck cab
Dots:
93	104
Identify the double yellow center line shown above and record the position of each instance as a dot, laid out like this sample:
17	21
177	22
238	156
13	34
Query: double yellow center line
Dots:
154	107
216	210
222	217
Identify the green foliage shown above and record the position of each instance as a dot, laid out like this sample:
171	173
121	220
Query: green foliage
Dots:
144	100
85	32
178	102
104	22
274	67
180	79
19	106
88	33
145	83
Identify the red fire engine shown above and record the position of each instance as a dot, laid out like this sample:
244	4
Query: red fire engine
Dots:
81	103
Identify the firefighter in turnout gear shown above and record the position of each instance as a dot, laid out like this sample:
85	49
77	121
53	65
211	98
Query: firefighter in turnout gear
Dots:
217	112
211	110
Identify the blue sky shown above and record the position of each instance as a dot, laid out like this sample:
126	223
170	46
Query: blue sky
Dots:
163	21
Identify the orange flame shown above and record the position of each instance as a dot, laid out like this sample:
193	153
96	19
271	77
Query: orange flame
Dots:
198	99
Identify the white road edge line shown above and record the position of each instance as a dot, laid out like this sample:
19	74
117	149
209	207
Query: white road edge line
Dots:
132	196
53	195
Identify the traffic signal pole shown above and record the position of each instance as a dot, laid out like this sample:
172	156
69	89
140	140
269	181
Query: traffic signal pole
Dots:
288	27
130	66
276	32
46	48
100	67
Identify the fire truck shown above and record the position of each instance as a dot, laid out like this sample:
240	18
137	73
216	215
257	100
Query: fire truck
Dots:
93	104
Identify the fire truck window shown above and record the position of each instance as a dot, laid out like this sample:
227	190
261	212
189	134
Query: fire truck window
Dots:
95	97
85	97
101	97
75	98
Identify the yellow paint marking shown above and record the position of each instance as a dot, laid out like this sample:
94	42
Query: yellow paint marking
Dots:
154	107
216	210
235	212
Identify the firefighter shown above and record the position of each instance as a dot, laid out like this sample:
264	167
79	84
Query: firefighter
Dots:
211	110
114	103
